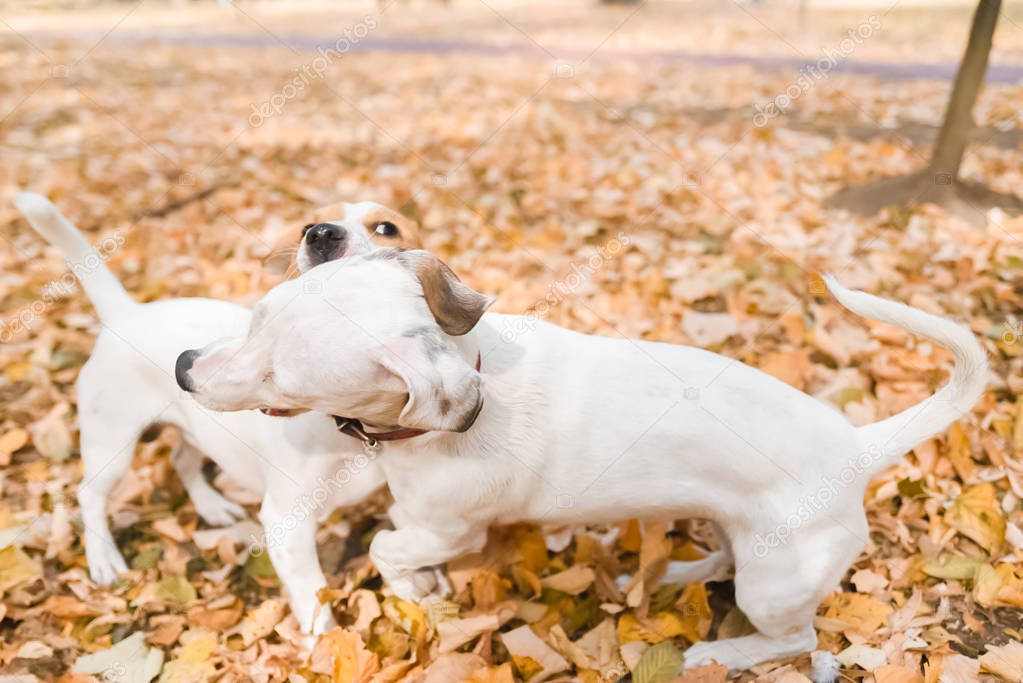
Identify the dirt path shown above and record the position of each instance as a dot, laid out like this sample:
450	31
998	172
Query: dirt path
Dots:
885	70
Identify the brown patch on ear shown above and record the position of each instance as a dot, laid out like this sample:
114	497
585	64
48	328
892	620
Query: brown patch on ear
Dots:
408	230
455	306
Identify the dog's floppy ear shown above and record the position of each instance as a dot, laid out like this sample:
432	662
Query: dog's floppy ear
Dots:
444	392
456	306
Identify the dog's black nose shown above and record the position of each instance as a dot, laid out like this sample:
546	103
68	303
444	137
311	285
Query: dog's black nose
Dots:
182	367
324	237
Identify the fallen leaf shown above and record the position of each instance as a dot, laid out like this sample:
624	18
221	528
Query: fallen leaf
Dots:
51	436
522	643
129	661
454	633
453	666
868	658
353	662
9	443
16	568
1004	660
708	673
176	589
573	580
977	515
897	674
708	329
659	664
860	613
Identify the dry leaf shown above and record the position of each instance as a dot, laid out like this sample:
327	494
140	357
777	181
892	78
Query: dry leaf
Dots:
573	580
1004	660
9	443
976	515
353	662
16	568
522	643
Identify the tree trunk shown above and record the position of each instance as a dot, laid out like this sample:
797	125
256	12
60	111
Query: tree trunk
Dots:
951	143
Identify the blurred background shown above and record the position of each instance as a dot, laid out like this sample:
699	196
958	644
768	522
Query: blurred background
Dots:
736	148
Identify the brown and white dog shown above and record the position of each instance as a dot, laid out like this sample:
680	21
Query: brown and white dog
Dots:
128	385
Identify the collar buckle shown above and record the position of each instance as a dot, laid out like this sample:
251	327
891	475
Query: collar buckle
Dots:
354	428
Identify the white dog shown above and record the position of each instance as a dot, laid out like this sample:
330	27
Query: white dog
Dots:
563	427
128	386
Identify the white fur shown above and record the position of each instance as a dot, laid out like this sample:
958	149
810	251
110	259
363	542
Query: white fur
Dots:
826	667
584	429
128	384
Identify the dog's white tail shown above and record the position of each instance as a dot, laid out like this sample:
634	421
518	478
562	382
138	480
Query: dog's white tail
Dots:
898	434
105	291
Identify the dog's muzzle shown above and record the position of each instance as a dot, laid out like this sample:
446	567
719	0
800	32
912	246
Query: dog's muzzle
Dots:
326	240
181	368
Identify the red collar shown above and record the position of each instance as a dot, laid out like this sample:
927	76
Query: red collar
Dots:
355	429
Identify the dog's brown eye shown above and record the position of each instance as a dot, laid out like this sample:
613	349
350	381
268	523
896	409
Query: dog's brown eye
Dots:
386	229
306	229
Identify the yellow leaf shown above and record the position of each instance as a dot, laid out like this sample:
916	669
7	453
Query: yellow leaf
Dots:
11	442
353	662
959	452
531	546
976	515
198	649
404	614
998	586
957	567
653	629
176	589
696	614
16	567
861	613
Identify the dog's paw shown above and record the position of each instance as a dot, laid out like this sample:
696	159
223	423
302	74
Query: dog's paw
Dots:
720	652
419	585
105	563
216	510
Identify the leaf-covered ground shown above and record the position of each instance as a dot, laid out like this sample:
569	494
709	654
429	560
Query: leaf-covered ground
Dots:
615	195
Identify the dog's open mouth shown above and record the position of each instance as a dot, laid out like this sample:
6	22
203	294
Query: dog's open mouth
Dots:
282	412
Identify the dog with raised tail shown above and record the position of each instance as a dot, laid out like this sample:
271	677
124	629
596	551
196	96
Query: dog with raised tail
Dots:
128	387
549	425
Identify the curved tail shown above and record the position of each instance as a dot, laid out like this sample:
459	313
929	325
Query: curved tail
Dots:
897	435
105	291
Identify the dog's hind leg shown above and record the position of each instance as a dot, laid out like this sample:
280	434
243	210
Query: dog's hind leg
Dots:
717	566
106	452
779	589
212	506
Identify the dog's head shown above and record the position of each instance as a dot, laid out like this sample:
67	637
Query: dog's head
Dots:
343	229
368	337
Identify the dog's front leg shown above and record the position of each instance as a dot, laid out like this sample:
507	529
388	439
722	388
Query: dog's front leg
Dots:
408	558
290	538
